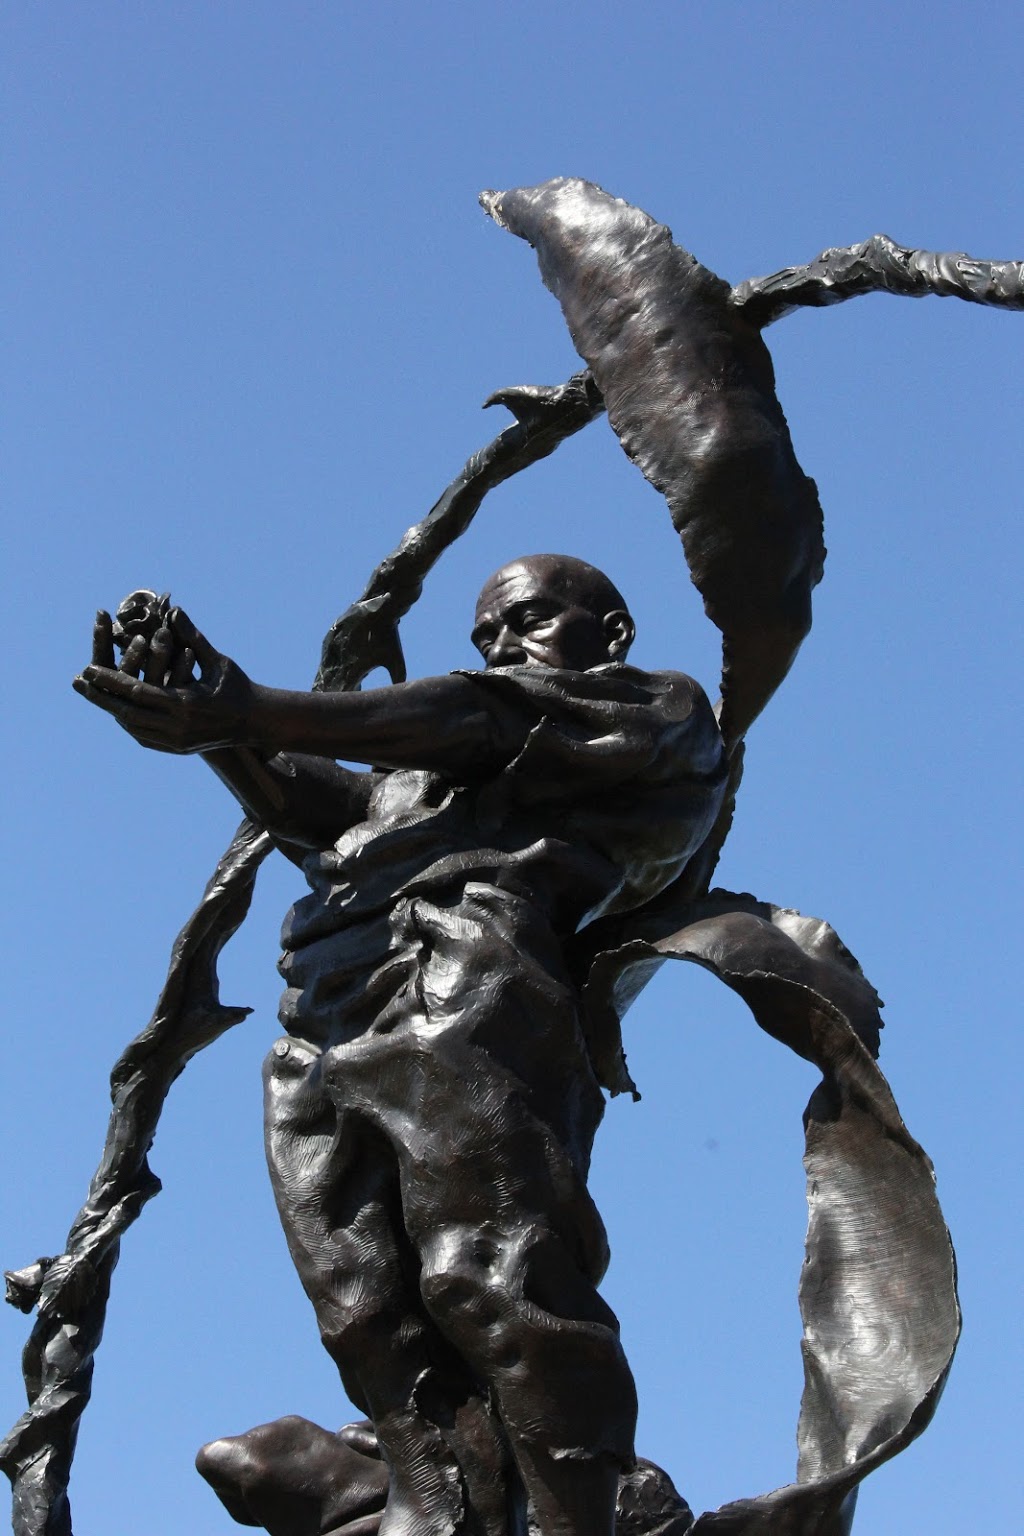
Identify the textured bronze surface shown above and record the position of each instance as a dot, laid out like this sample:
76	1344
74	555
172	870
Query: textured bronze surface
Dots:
530	843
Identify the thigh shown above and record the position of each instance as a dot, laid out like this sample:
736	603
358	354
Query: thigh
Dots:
336	1184
476	1070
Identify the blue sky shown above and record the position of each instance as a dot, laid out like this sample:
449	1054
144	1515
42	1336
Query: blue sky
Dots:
254	310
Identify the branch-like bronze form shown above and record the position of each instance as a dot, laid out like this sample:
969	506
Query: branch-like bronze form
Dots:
71	1291
879	265
366	635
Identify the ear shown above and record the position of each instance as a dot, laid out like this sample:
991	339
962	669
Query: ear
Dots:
619	632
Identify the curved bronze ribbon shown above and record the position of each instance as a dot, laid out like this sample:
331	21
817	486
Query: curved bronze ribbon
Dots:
878	1288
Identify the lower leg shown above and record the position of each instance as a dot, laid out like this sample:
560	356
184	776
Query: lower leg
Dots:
569	1496
450	1469
530	1324
337	1193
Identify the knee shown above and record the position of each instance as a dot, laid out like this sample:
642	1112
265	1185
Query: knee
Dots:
463	1281
360	1323
347	1332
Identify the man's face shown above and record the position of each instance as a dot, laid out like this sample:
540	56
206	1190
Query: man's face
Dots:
527	616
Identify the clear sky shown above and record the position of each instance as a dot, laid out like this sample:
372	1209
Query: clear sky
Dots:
254	308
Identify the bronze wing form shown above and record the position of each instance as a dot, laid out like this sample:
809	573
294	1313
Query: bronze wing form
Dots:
690	392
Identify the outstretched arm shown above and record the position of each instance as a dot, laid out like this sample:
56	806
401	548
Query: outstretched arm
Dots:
432	723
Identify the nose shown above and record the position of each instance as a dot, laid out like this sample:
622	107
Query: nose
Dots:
506	649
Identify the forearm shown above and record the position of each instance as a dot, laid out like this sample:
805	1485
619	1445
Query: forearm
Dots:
432	723
443	723
305	802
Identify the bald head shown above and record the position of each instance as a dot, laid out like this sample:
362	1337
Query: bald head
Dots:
551	611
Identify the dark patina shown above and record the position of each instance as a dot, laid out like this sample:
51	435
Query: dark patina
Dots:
526	845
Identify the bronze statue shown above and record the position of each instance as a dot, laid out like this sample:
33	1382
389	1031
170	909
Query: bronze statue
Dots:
431	1111
529	843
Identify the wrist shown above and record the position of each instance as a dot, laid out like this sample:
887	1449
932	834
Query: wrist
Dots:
257	724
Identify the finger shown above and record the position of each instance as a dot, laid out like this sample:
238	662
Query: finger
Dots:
123	686
154	743
186	633
182	669
158	660
141	724
134	656
87	691
111	703
360	1437
103	640
122	710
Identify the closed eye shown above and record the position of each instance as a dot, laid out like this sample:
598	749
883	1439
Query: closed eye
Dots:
531	617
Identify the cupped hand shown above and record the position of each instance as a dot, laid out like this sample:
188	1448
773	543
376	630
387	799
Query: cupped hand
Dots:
154	697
